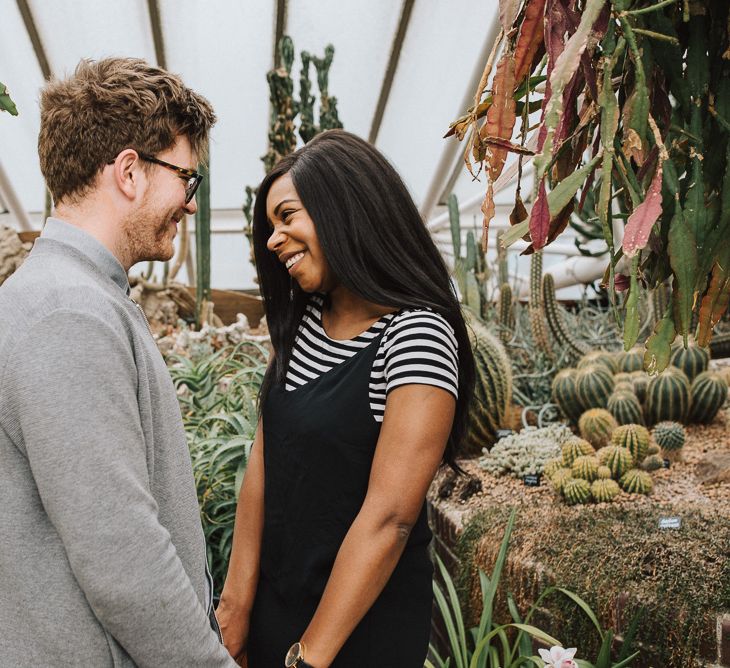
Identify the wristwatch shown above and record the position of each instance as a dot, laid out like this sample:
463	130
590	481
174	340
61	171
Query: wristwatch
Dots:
295	657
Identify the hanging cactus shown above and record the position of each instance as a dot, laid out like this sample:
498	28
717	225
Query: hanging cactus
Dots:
636	481
596	426
601	357
667	397
708	394
652	463
555	320
625	407
576	490
669	436
604	490
632	360
492	391
634	438
616	458
574	448
693	360
593	386
537	320
565	395
586	467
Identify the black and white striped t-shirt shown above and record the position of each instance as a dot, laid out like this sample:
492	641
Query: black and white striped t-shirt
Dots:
418	347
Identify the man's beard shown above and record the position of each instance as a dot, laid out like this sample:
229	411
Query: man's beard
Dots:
145	241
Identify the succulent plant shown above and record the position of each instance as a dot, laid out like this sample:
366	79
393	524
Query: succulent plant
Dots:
652	463
623	386
576	490
552	466
622	376
506	313
708	394
632	360
653	449
693	360
669	435
559	478
616	458
596	426
633	437
635	481
625	407
604	472
576	447
555	320
564	394
667	397
604	490
593	385
602	357
640	381
586	467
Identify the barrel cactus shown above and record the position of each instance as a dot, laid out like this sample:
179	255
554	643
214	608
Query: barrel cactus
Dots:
708	394
636	481
551	467
654	449
633	437
596	426
603	472
625	407
559	478
652	463
667	397
622	376
585	467
616	458
669	435
593	385
640	381
632	360
604	490
492	390
693	360
565	395
623	386
602	357
574	448
576	490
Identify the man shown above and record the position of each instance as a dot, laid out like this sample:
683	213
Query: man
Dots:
103	557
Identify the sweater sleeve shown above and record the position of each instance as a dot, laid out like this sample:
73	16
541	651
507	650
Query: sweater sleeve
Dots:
73	385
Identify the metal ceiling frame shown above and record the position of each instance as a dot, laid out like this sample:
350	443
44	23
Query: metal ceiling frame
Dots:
153	8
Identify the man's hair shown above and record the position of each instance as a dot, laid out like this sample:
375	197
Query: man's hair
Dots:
107	106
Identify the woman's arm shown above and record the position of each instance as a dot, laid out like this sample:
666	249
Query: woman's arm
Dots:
415	429
237	597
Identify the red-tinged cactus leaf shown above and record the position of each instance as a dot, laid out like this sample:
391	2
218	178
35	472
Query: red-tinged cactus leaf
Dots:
564	191
540	218
683	260
631	322
509	146
519	212
557	227
530	39
641	221
487	209
632	146
501	115
508	10
621	282
659	345
714	303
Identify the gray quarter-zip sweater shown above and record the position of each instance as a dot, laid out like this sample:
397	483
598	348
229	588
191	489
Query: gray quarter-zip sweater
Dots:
102	555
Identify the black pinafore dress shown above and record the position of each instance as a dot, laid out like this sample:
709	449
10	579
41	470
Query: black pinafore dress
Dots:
319	442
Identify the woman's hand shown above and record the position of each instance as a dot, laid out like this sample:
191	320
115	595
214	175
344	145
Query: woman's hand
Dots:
234	624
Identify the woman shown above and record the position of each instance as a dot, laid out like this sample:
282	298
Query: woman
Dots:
364	398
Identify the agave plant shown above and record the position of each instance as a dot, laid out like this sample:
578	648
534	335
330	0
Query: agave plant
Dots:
632	95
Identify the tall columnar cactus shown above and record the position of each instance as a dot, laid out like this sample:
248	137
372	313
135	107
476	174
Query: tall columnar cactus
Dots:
616	458
506	313
576	490
708	394
492	391
555	320
465	268
669	436
667	397
632	360
565	395
604	490
593	385
574	448
633	437
625	407
601	357
693	360
596	426
636	481
537	319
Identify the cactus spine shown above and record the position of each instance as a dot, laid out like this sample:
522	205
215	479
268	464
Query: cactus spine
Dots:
618	459
632	360
593	385
604	490
537	321
625	407
636	481
555	319
634	438
693	360
576	490
708	394
596	426
667	397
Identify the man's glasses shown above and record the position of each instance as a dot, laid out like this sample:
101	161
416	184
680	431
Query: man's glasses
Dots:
190	176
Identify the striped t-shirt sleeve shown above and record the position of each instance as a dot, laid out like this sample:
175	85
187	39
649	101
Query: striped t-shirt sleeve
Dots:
421	349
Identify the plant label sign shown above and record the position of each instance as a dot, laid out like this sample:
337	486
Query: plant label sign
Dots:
532	480
670	522
667	463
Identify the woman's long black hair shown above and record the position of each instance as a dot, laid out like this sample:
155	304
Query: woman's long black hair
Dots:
373	239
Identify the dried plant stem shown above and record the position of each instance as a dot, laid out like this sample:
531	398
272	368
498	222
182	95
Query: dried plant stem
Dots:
656	35
646	10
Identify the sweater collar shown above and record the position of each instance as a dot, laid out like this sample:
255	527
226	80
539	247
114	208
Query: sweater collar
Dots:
63	232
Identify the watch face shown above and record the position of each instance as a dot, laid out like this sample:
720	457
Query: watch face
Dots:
293	655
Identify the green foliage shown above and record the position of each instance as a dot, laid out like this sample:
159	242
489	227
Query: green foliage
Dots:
217	395
597	425
708	394
633	437
635	481
667	397
669	435
6	102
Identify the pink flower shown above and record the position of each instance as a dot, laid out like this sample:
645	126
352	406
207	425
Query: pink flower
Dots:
558	657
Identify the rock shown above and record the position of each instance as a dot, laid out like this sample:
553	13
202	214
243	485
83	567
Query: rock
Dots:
713	468
12	252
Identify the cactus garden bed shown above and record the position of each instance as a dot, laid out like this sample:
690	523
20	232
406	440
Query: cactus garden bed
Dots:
615	554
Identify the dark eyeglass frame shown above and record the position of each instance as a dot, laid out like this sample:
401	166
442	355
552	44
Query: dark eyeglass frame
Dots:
192	177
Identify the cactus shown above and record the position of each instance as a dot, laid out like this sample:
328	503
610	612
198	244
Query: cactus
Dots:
604	490
693	360
603	472
586	467
506	314
618	459
599	357
574	448
640	381
652	463
596	426
552	467
625	407
621	377
667	397
593	386
708	394
555	320
634	438
623	386
576	490
636	481
559	478
537	320
669	435
632	360
492	390
564	394
720	345
654	449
